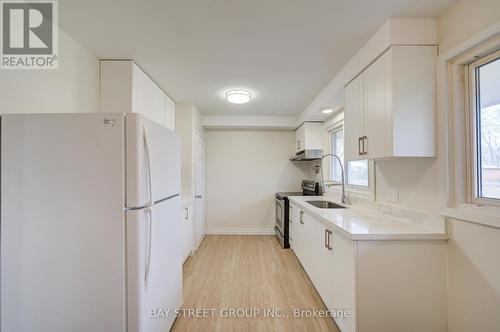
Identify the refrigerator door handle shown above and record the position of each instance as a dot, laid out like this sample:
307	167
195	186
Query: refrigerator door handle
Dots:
149	212
147	151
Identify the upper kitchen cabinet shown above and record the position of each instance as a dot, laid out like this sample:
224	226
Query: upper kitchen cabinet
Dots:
354	118
169	113
308	136
390	108
126	88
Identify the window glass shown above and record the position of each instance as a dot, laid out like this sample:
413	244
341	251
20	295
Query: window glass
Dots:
357	173
488	130
337	149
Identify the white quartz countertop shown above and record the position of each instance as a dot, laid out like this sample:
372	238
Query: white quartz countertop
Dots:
363	224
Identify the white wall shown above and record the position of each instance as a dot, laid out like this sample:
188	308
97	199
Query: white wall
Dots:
419	181
473	268
245	168
473	277
464	19
71	88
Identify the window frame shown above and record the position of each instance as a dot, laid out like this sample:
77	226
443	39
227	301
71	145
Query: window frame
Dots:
366	192
332	131
472	151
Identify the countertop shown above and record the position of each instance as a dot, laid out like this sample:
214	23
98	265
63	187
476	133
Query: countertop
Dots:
363	224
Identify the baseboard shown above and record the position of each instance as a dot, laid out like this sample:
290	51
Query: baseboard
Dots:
240	231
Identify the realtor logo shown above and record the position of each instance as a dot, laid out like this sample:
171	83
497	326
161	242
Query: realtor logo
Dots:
29	34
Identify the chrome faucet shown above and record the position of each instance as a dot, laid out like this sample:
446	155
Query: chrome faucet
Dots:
344	198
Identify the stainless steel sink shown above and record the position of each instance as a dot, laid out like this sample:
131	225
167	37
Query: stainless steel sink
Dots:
326	205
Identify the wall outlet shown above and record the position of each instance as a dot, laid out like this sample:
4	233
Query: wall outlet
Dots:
394	195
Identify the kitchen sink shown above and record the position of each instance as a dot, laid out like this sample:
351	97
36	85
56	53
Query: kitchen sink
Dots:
326	205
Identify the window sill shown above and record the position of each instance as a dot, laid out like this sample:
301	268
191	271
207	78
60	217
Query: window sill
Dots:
477	214
352	191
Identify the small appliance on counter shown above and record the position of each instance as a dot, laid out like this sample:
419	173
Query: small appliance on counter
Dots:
309	188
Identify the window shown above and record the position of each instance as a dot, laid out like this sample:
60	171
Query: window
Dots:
357	171
485	128
337	142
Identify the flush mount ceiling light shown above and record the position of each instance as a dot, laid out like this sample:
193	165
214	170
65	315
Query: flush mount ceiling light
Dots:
238	96
327	111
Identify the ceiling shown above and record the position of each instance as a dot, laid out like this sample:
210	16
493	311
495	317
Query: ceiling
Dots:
283	51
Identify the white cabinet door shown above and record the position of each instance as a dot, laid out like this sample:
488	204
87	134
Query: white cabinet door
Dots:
375	104
141	93
354	119
341	275
169	113
310	248
412	101
313	138
115	86
125	88
157	104
292	220
300	236
309	136
187	231
300	138
321	262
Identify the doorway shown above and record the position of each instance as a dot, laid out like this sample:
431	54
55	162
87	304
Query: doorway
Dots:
200	218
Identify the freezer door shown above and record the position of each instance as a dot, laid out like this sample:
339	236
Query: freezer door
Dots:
153	161
154	266
62	223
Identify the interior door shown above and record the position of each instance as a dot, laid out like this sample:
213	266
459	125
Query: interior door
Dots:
200	186
154	265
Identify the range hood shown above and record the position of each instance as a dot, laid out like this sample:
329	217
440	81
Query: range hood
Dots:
306	155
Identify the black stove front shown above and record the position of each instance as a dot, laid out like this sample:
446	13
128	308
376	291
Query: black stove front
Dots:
309	188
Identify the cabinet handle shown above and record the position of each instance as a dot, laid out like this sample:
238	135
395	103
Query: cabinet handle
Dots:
326	238
329	247
360	141
301	214
187	213
365	145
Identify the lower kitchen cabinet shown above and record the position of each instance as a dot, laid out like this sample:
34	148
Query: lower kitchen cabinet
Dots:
187	230
383	285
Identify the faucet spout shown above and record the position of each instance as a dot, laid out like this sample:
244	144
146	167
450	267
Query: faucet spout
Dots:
335	157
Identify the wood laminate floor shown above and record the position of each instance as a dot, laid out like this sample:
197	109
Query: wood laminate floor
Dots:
243	276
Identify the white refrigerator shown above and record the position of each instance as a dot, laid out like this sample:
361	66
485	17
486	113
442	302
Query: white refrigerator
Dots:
90	222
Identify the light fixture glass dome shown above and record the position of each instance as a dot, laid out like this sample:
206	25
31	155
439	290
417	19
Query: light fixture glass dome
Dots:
238	96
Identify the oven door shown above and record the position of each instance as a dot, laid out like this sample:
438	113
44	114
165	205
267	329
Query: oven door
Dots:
280	215
280	237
